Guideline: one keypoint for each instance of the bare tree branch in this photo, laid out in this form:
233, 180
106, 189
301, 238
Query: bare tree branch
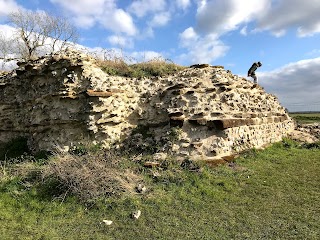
37, 33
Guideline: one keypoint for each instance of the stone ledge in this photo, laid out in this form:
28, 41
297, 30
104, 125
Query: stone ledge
203, 65
93, 93
108, 93
222, 124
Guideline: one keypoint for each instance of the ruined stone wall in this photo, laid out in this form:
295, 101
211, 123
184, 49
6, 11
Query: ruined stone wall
64, 100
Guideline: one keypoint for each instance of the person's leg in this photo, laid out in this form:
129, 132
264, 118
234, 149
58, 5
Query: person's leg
255, 79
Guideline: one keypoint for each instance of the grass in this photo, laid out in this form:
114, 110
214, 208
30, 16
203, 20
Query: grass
153, 68
306, 117
269, 194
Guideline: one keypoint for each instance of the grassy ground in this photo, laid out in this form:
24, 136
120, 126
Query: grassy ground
306, 117
269, 194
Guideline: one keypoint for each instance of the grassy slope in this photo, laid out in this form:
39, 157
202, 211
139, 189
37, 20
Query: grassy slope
270, 194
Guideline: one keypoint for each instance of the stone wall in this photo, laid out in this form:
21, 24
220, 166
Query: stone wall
63, 100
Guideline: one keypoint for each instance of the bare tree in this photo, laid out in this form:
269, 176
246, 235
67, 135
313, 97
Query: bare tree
62, 33
5, 49
38, 33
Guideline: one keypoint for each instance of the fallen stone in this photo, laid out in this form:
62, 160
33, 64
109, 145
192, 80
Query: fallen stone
141, 188
136, 214
304, 137
107, 222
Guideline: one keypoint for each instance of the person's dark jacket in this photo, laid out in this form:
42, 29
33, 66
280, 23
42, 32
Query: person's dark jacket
252, 69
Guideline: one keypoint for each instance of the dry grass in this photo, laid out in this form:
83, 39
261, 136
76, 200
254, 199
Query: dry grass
91, 176
154, 67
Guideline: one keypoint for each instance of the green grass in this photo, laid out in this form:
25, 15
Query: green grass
306, 117
152, 68
269, 194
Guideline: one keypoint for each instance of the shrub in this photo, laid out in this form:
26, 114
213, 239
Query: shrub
289, 143
315, 145
91, 176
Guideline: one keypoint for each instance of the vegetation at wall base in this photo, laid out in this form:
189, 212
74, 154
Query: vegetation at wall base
264, 194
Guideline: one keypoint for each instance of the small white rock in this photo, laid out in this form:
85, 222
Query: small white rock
141, 188
107, 222
160, 156
136, 214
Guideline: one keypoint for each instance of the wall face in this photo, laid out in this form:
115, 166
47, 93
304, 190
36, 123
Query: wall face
42, 100
64, 100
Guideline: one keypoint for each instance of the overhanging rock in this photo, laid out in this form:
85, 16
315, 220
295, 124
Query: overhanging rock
64, 100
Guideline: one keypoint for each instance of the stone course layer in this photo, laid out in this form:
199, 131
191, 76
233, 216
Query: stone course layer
206, 112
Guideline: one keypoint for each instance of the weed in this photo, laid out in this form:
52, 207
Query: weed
83, 149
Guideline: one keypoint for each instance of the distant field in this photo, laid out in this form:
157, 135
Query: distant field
306, 117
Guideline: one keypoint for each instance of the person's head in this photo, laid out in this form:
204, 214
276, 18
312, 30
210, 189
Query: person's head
259, 64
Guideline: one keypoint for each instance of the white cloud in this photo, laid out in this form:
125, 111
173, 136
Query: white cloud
188, 37
309, 31
314, 52
220, 17
7, 66
160, 19
297, 84
277, 16
105, 12
183, 4
214, 19
243, 31
119, 21
201, 49
86, 8
85, 21
121, 41
7, 30
145, 56
142, 7
279, 33
284, 14
7, 7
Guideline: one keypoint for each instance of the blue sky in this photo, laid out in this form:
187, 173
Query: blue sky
283, 34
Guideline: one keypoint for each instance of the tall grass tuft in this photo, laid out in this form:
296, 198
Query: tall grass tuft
153, 68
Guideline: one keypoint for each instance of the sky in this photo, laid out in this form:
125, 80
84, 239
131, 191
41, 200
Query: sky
282, 34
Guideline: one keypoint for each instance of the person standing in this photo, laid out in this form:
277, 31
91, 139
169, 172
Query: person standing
252, 70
